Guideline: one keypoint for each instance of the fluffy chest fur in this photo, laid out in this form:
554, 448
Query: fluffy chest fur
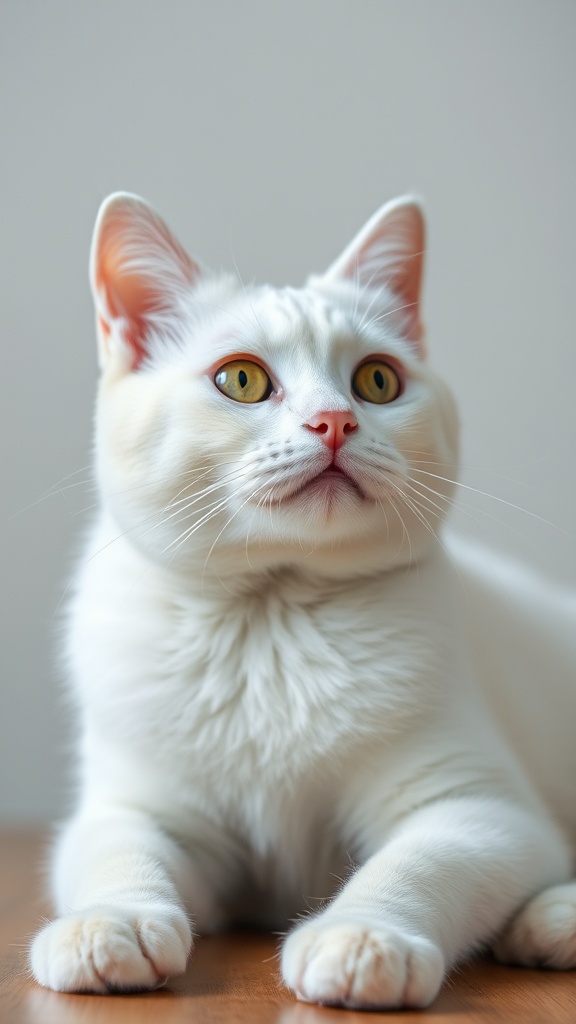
264, 684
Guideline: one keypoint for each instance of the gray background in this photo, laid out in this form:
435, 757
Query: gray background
266, 133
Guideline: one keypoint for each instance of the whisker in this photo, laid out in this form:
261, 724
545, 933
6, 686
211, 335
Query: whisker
213, 508
486, 494
186, 503
194, 475
454, 564
418, 511
357, 292
457, 504
366, 286
125, 533
91, 484
53, 491
422, 458
389, 312
227, 524
441, 512
259, 504
378, 293
385, 519
404, 529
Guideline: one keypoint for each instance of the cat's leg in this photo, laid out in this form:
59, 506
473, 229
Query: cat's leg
125, 891
543, 934
443, 884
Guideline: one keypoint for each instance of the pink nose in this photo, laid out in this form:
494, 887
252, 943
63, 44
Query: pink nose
333, 427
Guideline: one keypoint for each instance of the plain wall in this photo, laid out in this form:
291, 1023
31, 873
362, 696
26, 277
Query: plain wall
266, 133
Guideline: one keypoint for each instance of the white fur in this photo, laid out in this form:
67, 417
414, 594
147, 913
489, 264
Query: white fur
275, 691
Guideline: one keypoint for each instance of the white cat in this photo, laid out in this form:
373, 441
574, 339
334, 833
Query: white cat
282, 673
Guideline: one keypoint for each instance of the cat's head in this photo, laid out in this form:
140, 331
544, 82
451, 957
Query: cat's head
259, 427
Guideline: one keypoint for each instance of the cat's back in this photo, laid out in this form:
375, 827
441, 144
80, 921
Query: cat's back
512, 605
521, 633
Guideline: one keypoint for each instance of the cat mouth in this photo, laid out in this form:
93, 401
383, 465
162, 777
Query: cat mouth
334, 473
328, 483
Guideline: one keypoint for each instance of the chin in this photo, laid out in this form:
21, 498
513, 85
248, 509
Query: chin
333, 535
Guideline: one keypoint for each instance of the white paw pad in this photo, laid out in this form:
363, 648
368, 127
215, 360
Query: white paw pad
360, 965
112, 949
543, 934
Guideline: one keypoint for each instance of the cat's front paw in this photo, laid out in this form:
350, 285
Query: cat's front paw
543, 934
112, 949
363, 965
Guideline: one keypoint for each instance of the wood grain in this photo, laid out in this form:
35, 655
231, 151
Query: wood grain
234, 979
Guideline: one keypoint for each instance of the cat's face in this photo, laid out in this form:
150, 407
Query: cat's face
263, 427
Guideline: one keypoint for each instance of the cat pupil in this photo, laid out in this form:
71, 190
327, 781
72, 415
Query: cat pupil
379, 379
242, 378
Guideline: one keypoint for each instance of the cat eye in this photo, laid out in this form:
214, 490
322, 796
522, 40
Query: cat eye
243, 381
376, 382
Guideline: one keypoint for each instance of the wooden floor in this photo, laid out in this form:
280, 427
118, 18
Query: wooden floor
234, 978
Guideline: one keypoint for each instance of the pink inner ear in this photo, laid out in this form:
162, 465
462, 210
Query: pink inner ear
128, 296
406, 282
138, 270
401, 232
389, 252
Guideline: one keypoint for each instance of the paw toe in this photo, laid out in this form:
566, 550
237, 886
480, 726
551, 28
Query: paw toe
109, 949
543, 934
361, 966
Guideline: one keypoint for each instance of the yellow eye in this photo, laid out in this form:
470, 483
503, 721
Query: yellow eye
376, 382
243, 381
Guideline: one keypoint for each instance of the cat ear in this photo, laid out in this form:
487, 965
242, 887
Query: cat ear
139, 275
389, 253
